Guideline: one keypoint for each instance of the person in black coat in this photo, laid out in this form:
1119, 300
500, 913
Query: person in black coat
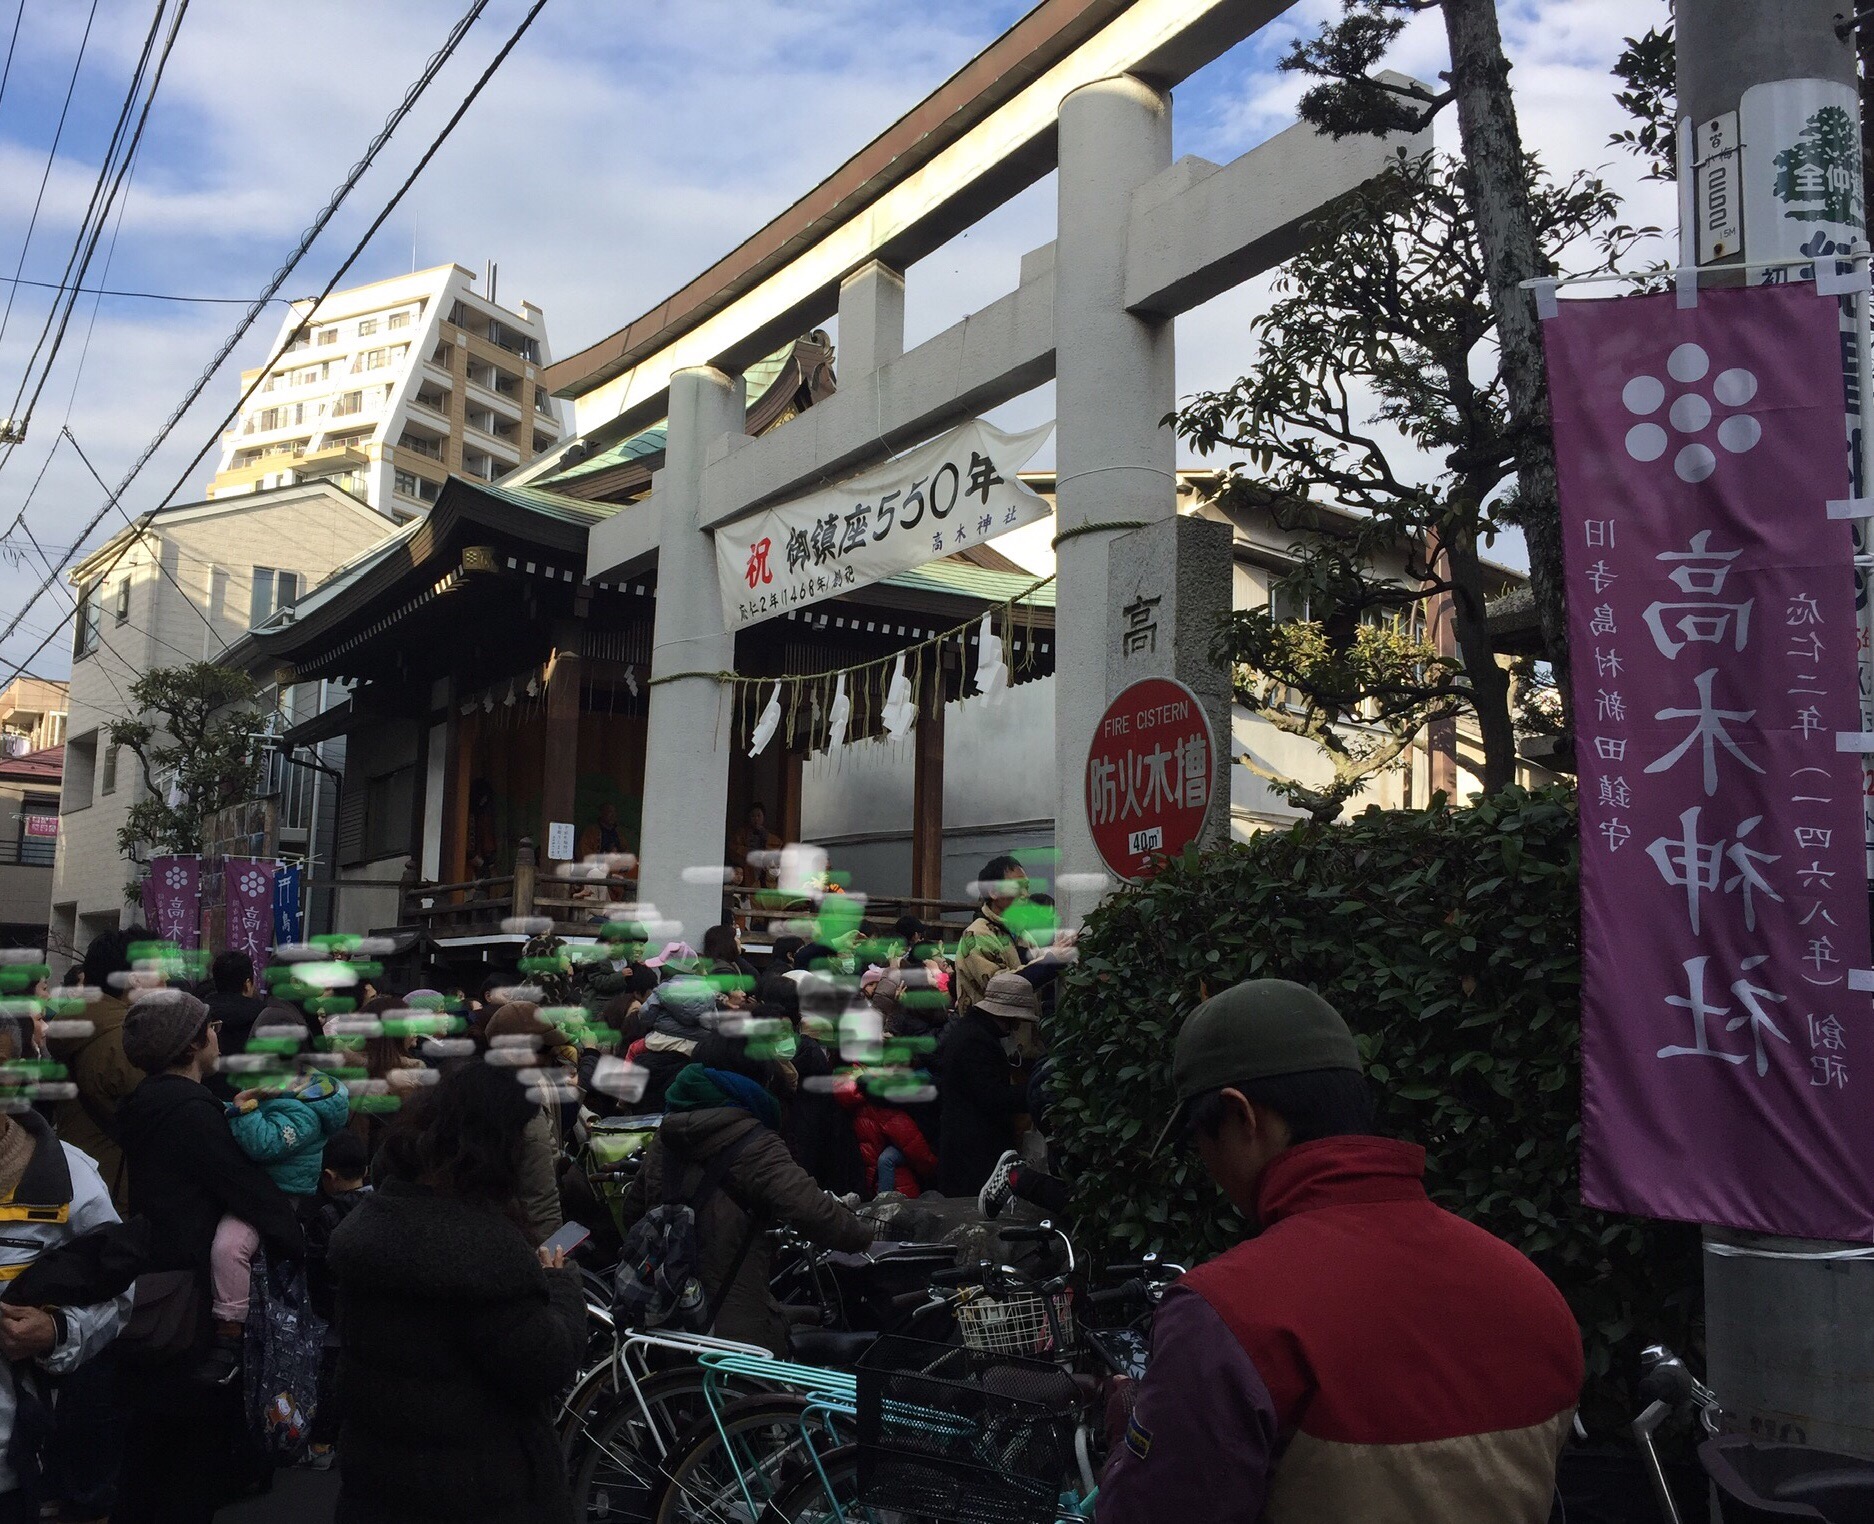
457, 1334
187, 1451
978, 1094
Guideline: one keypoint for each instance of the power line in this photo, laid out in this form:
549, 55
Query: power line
285, 270
52, 154
95, 217
12, 42
147, 296
140, 531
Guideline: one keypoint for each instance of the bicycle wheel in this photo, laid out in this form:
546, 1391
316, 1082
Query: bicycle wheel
729, 1472
834, 1498
621, 1461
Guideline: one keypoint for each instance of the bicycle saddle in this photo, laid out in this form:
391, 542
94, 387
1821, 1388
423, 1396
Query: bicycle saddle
829, 1346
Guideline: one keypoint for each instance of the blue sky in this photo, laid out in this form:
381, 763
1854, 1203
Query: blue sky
621, 149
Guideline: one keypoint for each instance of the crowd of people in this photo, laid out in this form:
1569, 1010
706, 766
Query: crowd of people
416, 1167
412, 1154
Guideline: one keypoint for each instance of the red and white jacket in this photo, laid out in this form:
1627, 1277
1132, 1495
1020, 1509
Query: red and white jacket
1367, 1357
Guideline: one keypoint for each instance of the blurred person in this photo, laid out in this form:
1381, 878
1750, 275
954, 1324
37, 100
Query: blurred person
988, 947
457, 1334
723, 1107
342, 1187
753, 835
186, 1451
817, 1129
979, 1095
100, 1071
519, 1026
233, 1002
602, 838
898, 1157
50, 1327
1367, 1355
680, 1013
284, 1130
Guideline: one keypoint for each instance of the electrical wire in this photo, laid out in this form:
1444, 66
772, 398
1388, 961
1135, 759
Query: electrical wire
147, 296
280, 276
96, 215
140, 530
16, 423
52, 154
12, 42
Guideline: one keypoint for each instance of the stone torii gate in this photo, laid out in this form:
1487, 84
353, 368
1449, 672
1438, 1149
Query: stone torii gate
1139, 240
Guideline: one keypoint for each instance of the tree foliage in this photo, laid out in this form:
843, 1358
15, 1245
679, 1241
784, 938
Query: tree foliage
193, 741
1449, 939
1354, 96
1648, 68
1383, 328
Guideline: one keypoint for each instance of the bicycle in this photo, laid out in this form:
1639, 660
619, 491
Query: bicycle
998, 1425
1749, 1480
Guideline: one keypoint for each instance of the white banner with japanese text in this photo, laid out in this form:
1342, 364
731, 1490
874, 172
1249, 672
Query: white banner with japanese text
956, 491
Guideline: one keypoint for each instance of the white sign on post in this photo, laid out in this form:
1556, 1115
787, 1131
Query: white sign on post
560, 841
956, 491
1719, 182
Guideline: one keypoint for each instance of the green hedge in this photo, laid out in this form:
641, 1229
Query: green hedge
1449, 941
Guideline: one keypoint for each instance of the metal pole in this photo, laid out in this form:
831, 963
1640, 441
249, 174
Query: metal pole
1790, 1334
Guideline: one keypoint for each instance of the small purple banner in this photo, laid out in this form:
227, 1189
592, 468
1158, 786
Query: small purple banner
248, 883
173, 900
1723, 879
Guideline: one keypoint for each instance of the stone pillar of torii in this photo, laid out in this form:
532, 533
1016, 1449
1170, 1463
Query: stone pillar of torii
1140, 239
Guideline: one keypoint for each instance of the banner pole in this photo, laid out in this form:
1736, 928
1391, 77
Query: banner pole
1864, 584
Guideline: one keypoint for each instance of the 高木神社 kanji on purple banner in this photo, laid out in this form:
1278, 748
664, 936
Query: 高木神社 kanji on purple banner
1713, 639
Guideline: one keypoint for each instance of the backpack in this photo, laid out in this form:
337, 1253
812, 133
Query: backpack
660, 1271
285, 1340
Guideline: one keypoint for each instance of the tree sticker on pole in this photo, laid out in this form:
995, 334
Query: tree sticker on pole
1818, 177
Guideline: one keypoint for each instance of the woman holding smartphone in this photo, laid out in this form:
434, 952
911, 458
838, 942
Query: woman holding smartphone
457, 1334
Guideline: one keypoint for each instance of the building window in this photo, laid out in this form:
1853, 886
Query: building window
366, 327
405, 482
39, 831
89, 619
389, 802
123, 600
273, 591
327, 336
81, 767
398, 320
348, 404
107, 778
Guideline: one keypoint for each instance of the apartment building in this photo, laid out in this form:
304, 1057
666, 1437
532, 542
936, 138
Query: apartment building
392, 387
32, 715
177, 586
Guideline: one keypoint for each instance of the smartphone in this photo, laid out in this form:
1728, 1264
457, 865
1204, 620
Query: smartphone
569, 1237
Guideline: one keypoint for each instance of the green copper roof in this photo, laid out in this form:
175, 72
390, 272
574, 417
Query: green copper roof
760, 376
959, 577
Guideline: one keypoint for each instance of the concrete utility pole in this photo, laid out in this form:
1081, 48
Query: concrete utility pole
1769, 151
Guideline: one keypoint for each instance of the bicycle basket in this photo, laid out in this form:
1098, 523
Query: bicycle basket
945, 1435
1015, 1325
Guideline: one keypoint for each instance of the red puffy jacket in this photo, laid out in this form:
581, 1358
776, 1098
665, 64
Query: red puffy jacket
879, 1127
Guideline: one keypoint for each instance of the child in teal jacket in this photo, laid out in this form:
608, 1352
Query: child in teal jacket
285, 1133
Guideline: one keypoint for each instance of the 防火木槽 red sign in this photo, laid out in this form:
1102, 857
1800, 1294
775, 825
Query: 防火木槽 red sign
1149, 773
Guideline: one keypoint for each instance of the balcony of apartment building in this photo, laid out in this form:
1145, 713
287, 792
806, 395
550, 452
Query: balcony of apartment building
434, 396
482, 465
341, 460
254, 464
500, 434
501, 335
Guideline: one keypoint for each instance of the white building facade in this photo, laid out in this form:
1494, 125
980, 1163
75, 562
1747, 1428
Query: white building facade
391, 387
178, 586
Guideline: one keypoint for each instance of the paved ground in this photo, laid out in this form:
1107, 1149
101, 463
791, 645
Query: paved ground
298, 1497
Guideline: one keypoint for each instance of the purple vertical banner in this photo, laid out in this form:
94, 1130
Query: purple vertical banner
1713, 640
174, 900
248, 897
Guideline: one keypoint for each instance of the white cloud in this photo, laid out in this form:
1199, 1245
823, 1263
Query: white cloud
619, 151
